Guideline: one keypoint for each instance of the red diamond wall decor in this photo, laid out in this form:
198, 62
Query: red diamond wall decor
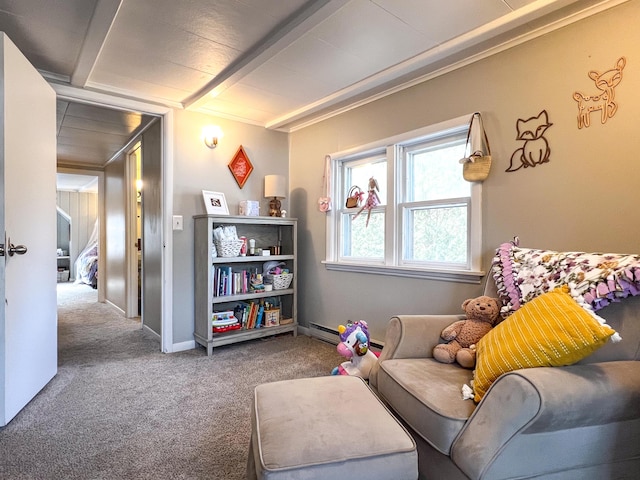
240, 167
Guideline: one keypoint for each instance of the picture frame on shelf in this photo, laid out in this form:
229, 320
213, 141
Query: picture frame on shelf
215, 203
241, 167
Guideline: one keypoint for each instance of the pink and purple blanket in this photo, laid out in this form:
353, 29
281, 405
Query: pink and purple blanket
594, 279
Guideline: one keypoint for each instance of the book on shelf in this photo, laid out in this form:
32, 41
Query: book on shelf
250, 314
227, 281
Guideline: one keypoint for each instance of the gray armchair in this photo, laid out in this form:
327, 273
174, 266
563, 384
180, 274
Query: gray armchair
576, 422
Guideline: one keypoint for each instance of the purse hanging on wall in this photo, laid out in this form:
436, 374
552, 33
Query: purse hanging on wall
476, 166
324, 202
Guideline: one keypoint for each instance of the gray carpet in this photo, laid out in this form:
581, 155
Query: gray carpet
120, 409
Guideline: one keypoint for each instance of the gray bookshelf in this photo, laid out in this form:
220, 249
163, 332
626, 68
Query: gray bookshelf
267, 232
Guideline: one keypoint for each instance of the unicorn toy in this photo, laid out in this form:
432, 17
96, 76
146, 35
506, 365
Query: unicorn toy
354, 346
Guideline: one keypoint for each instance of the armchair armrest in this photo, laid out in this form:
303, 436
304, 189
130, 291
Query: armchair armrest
411, 336
543, 402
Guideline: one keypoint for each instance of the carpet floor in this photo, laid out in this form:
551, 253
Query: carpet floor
120, 409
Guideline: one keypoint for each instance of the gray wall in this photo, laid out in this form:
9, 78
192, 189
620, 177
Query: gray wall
152, 227
584, 199
198, 168
115, 264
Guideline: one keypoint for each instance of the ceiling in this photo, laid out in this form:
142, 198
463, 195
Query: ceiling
89, 134
77, 183
281, 64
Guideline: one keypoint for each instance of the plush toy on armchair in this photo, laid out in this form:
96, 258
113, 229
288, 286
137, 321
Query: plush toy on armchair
355, 346
462, 336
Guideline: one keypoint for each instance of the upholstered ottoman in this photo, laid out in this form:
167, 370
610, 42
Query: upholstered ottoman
326, 428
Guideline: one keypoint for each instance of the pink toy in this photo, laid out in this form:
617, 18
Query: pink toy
355, 347
372, 200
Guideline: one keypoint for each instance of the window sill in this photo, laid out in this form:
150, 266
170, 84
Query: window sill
458, 276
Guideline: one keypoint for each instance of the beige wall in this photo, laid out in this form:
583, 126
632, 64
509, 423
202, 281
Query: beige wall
198, 168
585, 198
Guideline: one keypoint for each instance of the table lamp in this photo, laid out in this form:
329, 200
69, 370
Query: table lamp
275, 188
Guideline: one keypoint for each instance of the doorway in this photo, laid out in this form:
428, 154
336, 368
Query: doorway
77, 201
161, 159
121, 281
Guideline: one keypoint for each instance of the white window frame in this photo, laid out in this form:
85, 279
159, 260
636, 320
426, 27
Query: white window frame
393, 264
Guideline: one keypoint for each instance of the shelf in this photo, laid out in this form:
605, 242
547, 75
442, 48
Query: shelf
245, 219
251, 258
267, 232
235, 336
250, 296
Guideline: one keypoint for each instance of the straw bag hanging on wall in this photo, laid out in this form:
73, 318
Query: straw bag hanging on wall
476, 166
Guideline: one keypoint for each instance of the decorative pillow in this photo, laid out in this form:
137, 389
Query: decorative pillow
549, 331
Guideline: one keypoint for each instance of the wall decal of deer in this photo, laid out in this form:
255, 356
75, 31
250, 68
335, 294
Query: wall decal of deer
604, 100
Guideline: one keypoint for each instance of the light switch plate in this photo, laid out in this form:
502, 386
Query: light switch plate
177, 222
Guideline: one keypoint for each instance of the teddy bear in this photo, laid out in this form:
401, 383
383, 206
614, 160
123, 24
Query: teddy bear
462, 336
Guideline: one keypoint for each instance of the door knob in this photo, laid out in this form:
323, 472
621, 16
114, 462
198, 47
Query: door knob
16, 249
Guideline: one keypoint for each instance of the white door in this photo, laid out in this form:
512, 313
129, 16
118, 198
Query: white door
28, 320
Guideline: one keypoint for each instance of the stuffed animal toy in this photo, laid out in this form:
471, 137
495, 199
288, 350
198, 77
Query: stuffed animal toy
462, 336
355, 346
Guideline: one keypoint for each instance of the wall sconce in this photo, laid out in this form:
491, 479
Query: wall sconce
275, 188
139, 189
211, 135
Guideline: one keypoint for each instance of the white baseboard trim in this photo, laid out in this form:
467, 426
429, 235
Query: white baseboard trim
150, 332
183, 346
113, 305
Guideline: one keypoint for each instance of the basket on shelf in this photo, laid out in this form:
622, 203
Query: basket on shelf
282, 281
228, 248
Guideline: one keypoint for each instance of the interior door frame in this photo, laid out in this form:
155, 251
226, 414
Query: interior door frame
70, 93
131, 235
101, 221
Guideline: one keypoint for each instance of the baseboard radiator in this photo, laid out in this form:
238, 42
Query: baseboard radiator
332, 335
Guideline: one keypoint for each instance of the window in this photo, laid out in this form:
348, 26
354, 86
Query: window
428, 219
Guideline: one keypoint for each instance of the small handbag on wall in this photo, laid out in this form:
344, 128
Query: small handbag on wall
354, 199
476, 166
324, 202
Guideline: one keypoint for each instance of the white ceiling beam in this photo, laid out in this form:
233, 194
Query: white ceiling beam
75, 94
101, 21
311, 15
312, 112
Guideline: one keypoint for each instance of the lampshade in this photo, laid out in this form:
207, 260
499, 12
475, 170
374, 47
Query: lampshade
275, 186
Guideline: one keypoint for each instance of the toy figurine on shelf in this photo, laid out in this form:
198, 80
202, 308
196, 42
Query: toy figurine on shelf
372, 200
256, 283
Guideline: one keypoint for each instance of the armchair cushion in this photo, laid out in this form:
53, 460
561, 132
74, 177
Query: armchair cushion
551, 330
426, 395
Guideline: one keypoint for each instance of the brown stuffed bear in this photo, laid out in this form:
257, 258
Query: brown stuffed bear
462, 336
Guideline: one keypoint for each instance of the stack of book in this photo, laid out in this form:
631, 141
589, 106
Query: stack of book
229, 282
250, 314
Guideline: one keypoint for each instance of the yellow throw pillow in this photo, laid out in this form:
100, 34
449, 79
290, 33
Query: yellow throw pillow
549, 331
